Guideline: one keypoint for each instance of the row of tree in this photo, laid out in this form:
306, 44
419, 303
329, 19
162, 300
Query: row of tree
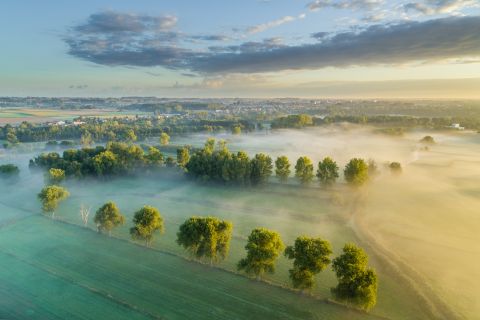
216, 163
208, 238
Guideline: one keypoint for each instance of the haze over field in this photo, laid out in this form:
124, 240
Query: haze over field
406, 220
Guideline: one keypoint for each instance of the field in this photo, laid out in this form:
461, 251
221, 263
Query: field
17, 115
58, 269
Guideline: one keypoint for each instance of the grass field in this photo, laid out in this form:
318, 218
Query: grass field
54, 269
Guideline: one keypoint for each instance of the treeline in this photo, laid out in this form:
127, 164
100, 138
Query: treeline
9, 170
216, 163
117, 158
116, 129
208, 239
302, 120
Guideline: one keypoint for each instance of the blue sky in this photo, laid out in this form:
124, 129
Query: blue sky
310, 48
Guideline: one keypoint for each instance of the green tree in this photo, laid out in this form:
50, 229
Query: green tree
310, 256
12, 137
105, 163
108, 217
356, 172
170, 162
50, 196
206, 237
357, 284
154, 158
282, 168
164, 139
146, 222
236, 130
183, 156
327, 172
130, 136
427, 140
55, 176
263, 248
260, 169
304, 170
8, 170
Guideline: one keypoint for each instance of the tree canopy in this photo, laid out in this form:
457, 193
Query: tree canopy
357, 284
356, 172
51, 196
263, 248
282, 168
55, 176
327, 172
146, 222
304, 170
310, 256
108, 217
206, 237
164, 139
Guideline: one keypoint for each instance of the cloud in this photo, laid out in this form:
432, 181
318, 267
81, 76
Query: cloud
432, 7
345, 4
379, 44
114, 22
275, 23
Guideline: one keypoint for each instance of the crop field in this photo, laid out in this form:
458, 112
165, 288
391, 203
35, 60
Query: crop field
59, 268
17, 115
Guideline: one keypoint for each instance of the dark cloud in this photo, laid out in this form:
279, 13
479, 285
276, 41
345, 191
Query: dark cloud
433, 40
320, 35
211, 37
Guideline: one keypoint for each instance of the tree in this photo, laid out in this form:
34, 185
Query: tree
50, 196
8, 170
427, 140
357, 284
146, 222
395, 167
282, 168
206, 237
12, 137
170, 162
327, 172
164, 139
55, 176
236, 130
108, 217
310, 256
356, 172
304, 170
84, 214
263, 248
260, 169
154, 158
183, 156
86, 139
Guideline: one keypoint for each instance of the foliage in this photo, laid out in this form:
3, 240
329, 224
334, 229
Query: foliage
164, 139
356, 172
86, 139
327, 172
146, 222
206, 237
282, 168
263, 248
55, 176
260, 169
115, 159
372, 168
9, 170
183, 156
304, 170
108, 217
50, 196
310, 256
292, 121
357, 284
236, 130
427, 140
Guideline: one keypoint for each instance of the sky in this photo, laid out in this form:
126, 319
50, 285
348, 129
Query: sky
249, 48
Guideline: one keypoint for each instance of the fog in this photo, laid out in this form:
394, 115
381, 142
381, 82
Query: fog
420, 228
